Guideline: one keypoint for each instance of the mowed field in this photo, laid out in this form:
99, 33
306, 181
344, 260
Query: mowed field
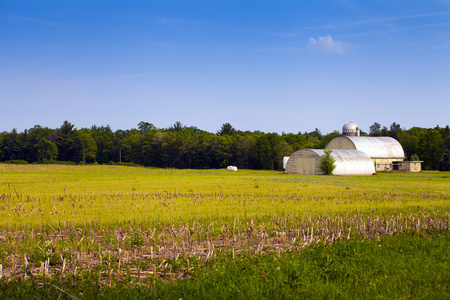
157, 229
36, 194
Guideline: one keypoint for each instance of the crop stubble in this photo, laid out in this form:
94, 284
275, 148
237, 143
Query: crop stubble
158, 234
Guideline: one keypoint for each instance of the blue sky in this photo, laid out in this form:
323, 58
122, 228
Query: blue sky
272, 66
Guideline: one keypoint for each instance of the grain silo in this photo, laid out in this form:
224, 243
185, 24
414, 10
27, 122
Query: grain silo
348, 162
382, 150
350, 129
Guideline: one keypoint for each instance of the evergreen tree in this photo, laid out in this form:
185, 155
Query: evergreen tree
226, 129
178, 126
328, 161
66, 140
444, 162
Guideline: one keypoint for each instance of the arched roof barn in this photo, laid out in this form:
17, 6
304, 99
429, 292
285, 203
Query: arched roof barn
348, 162
382, 147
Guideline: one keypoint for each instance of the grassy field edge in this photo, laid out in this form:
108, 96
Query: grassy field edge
407, 265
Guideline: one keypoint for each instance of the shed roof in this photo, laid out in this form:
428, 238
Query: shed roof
375, 147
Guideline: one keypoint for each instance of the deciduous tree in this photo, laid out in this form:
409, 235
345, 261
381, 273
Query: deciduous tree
88, 147
394, 130
375, 129
145, 127
47, 150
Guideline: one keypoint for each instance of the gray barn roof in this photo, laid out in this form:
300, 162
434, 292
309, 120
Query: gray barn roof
375, 147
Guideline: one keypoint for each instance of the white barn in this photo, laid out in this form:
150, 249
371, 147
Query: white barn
348, 162
382, 150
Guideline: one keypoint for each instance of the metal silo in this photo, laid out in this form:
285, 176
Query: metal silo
350, 129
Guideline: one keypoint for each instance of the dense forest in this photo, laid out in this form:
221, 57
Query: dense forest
180, 146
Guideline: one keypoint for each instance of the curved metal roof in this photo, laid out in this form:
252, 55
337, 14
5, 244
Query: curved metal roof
376, 147
350, 162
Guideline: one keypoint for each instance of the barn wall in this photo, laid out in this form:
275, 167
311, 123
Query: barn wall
415, 166
304, 162
384, 164
410, 166
340, 142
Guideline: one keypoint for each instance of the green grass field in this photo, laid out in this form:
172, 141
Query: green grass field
87, 231
51, 194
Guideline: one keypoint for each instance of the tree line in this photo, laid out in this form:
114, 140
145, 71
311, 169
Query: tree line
181, 146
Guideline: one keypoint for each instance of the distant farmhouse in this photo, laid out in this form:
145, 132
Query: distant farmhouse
354, 155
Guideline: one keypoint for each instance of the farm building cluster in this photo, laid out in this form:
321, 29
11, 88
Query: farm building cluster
353, 155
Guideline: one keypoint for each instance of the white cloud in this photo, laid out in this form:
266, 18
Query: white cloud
328, 45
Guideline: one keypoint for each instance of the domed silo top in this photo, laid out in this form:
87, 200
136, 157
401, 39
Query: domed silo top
350, 129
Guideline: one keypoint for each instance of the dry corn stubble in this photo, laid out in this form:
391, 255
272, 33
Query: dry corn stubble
158, 223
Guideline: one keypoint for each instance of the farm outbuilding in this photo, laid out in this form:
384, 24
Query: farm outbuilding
354, 155
348, 162
408, 166
382, 150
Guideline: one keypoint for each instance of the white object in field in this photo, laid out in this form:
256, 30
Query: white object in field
232, 168
285, 160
